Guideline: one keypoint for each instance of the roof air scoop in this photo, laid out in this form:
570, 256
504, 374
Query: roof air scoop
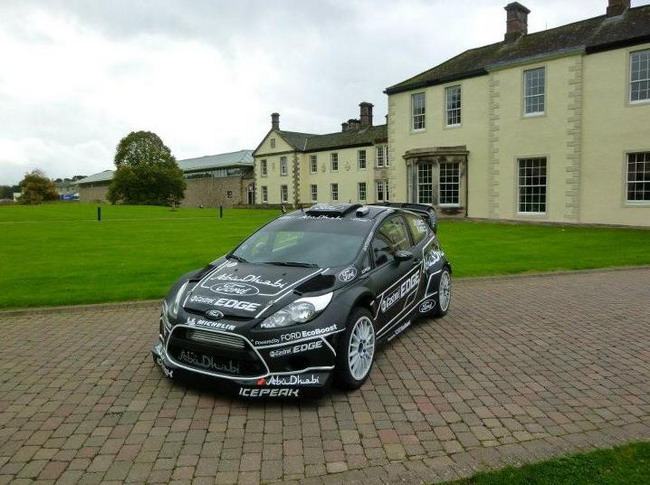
329, 210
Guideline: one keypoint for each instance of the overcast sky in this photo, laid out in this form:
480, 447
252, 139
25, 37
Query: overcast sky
78, 75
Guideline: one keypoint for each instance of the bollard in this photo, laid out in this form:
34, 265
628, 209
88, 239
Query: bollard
99, 213
220, 212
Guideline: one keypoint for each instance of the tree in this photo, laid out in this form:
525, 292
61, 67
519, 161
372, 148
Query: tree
37, 188
147, 172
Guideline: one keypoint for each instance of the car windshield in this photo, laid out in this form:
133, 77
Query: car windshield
300, 240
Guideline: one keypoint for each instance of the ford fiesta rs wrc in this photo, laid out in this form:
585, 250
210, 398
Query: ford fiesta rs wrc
306, 300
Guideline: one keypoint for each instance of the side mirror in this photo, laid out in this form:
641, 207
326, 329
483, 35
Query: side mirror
402, 255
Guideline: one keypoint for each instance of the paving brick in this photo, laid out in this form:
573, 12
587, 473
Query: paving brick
507, 376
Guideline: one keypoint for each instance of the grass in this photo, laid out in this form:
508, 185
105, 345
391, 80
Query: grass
628, 464
58, 254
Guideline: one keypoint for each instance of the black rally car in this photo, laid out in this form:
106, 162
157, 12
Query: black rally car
306, 298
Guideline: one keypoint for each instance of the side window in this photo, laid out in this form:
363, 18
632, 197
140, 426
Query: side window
419, 228
392, 236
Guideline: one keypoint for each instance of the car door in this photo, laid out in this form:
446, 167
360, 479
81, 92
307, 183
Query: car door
395, 282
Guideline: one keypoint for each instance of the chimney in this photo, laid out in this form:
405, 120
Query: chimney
353, 125
617, 7
516, 21
365, 114
344, 127
275, 121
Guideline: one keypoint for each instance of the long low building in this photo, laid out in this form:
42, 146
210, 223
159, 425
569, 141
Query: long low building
213, 180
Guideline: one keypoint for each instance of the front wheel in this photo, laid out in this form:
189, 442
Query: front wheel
356, 350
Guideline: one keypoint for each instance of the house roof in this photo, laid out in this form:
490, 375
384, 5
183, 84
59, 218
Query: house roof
592, 35
241, 158
105, 176
307, 142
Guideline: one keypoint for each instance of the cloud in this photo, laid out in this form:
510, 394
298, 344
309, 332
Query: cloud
78, 76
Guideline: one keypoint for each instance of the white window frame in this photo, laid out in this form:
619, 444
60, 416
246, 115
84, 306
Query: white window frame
381, 153
449, 188
362, 189
453, 112
641, 161
424, 183
532, 186
642, 75
284, 194
334, 159
418, 111
265, 194
264, 168
385, 189
536, 94
334, 192
284, 166
313, 192
313, 164
362, 156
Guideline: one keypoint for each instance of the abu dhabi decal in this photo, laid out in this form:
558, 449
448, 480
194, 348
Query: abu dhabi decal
348, 274
254, 279
268, 392
167, 372
297, 349
292, 380
198, 322
400, 292
399, 330
236, 289
426, 306
288, 337
208, 363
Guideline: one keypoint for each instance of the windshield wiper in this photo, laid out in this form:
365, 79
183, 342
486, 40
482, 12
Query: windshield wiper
297, 264
236, 258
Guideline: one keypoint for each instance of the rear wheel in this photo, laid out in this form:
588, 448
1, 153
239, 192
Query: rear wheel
443, 298
356, 350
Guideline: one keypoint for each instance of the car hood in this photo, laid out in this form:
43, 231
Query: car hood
244, 290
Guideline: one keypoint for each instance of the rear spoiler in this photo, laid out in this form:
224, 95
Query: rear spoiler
427, 212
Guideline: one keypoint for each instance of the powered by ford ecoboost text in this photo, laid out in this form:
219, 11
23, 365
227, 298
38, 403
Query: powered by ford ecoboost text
306, 300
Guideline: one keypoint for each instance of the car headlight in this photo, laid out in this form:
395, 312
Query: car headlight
164, 315
172, 311
300, 311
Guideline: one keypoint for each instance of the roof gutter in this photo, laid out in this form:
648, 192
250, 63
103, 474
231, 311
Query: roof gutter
435, 82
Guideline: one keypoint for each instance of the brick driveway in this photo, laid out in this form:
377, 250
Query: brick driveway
521, 369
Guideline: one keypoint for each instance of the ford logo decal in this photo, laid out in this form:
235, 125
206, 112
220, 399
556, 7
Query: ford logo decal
237, 289
214, 314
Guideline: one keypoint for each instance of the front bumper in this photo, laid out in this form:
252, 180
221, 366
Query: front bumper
251, 369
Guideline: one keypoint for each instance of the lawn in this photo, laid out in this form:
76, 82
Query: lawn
624, 465
59, 254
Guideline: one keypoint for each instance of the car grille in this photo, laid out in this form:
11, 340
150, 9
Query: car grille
216, 338
215, 353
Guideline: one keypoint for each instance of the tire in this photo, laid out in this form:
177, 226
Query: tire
356, 350
443, 298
